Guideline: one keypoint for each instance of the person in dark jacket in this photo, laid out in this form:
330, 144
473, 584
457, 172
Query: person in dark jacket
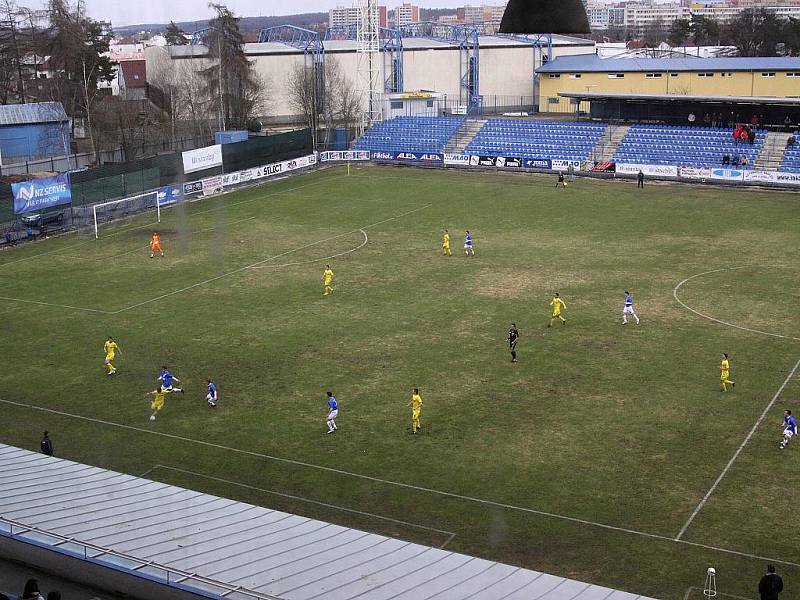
770, 585
46, 444
31, 591
640, 179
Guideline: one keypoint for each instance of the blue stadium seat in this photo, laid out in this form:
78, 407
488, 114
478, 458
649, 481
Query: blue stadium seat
422, 135
684, 146
791, 160
555, 140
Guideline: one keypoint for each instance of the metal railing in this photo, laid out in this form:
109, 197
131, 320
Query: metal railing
126, 563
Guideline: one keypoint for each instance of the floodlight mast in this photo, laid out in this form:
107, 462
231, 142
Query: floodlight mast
369, 60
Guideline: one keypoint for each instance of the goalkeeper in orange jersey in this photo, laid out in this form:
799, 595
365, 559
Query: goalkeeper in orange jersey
155, 245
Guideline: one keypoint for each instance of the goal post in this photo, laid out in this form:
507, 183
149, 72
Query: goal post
105, 212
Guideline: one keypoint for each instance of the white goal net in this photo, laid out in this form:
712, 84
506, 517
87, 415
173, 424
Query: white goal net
107, 212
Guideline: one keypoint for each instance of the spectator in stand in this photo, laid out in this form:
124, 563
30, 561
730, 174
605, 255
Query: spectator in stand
744, 161
787, 123
737, 118
731, 121
735, 162
707, 120
751, 136
744, 136
692, 118
737, 134
770, 585
46, 444
790, 143
726, 159
31, 591
754, 121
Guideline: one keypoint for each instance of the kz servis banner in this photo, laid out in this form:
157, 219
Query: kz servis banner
41, 194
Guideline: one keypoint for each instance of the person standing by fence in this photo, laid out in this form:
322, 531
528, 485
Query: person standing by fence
46, 444
770, 585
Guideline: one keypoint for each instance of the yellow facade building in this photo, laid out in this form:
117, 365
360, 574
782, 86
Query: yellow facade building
735, 77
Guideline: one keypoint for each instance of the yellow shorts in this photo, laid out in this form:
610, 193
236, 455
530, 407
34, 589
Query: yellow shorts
556, 314
157, 404
415, 414
110, 357
725, 375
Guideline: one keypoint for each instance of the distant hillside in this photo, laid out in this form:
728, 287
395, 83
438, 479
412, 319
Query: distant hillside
248, 24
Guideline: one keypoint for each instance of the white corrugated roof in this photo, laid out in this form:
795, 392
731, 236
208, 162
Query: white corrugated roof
271, 552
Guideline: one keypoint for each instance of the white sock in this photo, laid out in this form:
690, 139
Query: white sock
334, 424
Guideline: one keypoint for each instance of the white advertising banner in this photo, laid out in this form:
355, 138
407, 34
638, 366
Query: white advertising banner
789, 178
651, 170
695, 172
212, 185
461, 160
761, 176
202, 158
337, 155
727, 174
563, 165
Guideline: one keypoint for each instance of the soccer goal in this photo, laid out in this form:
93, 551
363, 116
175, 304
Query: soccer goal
105, 212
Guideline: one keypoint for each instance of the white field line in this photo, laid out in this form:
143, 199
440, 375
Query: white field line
266, 260
720, 321
221, 276
398, 484
737, 453
147, 246
448, 534
314, 260
54, 305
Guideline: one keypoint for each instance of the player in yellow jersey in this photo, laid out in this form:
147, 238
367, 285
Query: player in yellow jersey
725, 373
111, 348
416, 410
327, 277
446, 244
159, 399
557, 304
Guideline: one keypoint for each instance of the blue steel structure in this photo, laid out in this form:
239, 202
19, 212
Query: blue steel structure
466, 38
199, 37
310, 42
391, 43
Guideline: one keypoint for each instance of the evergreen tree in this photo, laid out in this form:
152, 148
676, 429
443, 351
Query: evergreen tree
231, 83
175, 35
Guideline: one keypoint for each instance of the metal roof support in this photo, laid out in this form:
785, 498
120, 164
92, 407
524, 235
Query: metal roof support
466, 38
310, 42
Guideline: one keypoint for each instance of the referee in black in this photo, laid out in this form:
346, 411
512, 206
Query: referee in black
513, 338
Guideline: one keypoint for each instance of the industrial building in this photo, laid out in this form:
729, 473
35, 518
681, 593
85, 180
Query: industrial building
455, 61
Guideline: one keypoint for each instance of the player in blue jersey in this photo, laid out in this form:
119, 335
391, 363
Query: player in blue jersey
789, 428
628, 309
333, 412
468, 249
166, 378
212, 395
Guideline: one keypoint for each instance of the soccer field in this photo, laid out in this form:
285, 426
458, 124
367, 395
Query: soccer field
608, 453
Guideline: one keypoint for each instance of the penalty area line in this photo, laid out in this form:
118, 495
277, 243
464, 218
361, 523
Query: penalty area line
449, 534
399, 484
313, 260
736, 454
266, 260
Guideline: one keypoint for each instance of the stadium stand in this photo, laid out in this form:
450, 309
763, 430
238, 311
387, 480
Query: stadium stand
791, 160
559, 140
217, 547
425, 135
684, 146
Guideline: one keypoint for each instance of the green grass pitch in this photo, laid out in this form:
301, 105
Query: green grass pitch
585, 459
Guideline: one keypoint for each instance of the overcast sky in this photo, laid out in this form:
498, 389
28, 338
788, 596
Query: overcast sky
130, 12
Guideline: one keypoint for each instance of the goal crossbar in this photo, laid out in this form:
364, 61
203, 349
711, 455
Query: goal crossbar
101, 206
